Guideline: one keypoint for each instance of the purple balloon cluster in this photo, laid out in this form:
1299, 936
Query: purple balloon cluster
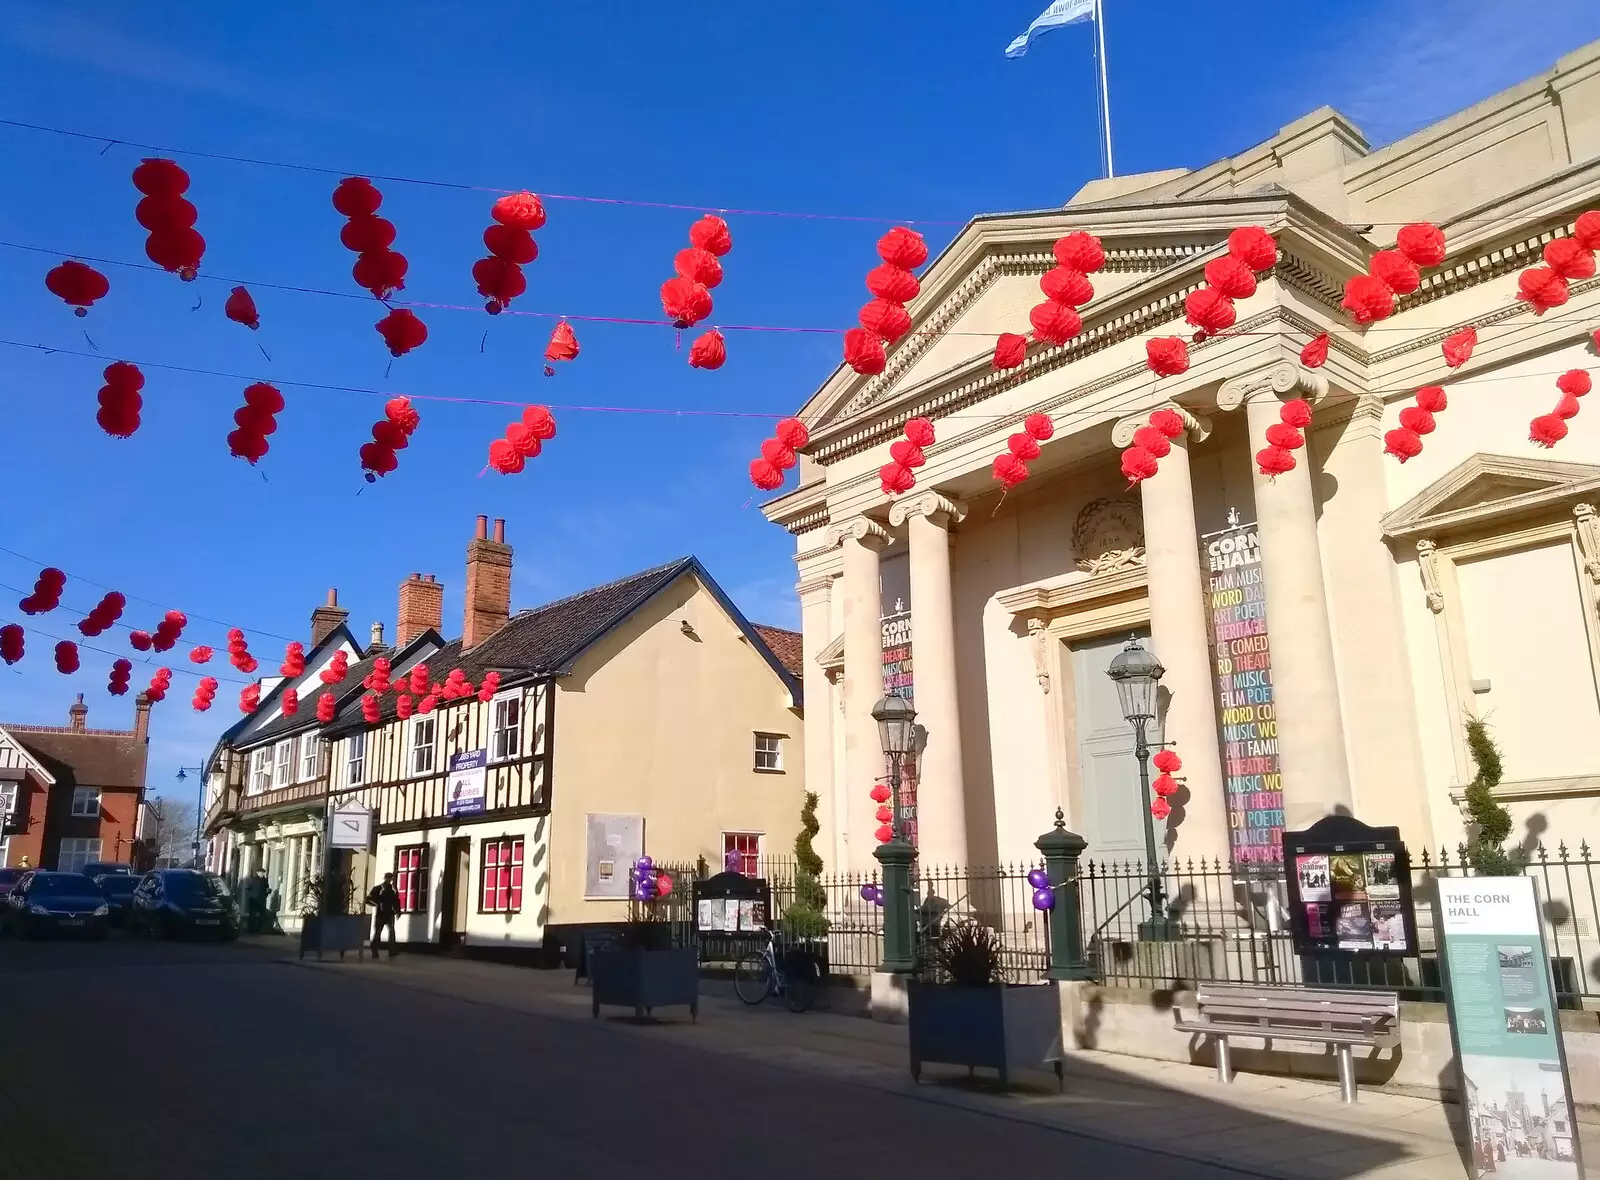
872, 893
1044, 894
644, 879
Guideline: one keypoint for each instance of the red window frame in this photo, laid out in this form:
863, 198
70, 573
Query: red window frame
411, 878
500, 878
747, 845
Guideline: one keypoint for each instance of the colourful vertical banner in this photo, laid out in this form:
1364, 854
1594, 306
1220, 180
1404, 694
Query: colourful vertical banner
1236, 605
895, 617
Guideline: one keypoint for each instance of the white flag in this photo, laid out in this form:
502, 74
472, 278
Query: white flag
1059, 14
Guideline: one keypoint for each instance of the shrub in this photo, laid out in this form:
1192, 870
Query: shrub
968, 954
1491, 823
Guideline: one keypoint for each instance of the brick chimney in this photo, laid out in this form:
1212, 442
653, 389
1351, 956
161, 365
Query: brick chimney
78, 716
141, 717
375, 640
488, 584
326, 618
421, 608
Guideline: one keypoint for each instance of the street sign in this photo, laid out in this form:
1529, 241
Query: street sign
350, 827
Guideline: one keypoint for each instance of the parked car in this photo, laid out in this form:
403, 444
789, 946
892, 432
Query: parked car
96, 869
56, 903
118, 889
170, 903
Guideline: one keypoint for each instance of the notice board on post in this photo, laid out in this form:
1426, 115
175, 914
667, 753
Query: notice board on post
1349, 889
1503, 1018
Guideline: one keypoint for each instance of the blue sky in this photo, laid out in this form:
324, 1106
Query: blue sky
834, 106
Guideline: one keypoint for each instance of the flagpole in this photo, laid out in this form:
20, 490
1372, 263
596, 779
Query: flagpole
1105, 93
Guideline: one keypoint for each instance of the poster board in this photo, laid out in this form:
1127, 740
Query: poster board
350, 826
612, 844
465, 789
1515, 1088
1349, 888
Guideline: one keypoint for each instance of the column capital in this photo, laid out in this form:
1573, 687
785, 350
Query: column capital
1275, 382
859, 528
1197, 427
927, 503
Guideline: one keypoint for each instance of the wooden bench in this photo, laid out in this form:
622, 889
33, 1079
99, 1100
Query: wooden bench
1342, 1019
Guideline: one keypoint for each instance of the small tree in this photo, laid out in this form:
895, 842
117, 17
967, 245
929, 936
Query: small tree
806, 916
1491, 822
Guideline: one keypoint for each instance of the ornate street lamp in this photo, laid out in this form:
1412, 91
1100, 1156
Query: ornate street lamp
897, 734
1136, 672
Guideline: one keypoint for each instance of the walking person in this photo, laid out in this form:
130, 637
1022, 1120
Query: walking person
385, 903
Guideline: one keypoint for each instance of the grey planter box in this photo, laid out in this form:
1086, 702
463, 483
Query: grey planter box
998, 1027
646, 980
321, 933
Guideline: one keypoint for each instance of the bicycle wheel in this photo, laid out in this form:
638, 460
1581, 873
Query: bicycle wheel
752, 978
799, 990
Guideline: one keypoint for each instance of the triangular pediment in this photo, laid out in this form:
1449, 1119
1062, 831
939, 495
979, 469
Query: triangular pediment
19, 753
831, 657
1488, 487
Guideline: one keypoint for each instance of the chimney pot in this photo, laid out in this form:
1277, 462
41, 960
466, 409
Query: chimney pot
77, 715
483, 528
376, 636
333, 597
499, 531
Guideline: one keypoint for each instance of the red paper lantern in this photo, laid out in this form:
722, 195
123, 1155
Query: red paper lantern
377, 459
1295, 412
66, 657
1039, 426
403, 706
1150, 439
1023, 445
711, 234
241, 309
368, 234
903, 248
200, 654
294, 658
1284, 437
1138, 464
906, 453
765, 475
1164, 786
121, 673
685, 301
1209, 310
400, 411
892, 283
490, 686
104, 613
77, 285
1417, 420
884, 834
140, 640
371, 708
382, 272
698, 266
325, 707
896, 479
792, 433
541, 421
1403, 444
402, 331
563, 344
1569, 259
1396, 271
1081, 251
1054, 322
1160, 808
780, 456
1541, 288
1575, 381
1421, 242
1010, 470
1274, 461
519, 211
880, 794
709, 350
1231, 277
1432, 398
1254, 247
1167, 761
1168, 422
289, 703
499, 281
1367, 299
157, 177
888, 321
1166, 356
1010, 350
1457, 347
520, 435
1315, 354
863, 351
1567, 407
511, 244
1068, 286
1547, 430
119, 398
263, 397
1586, 230
919, 431
356, 197
12, 644
157, 214
177, 250
505, 458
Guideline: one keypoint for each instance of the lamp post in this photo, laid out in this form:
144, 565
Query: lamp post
897, 732
1136, 672
199, 811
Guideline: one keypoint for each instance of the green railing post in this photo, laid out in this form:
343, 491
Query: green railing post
1061, 850
899, 956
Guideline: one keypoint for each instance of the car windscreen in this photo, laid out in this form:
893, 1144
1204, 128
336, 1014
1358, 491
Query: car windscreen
62, 885
195, 887
118, 885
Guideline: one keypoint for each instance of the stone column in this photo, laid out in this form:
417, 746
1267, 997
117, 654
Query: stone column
862, 541
816, 632
1311, 749
941, 789
1181, 641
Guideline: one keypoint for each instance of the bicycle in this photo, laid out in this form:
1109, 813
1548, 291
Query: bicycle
759, 974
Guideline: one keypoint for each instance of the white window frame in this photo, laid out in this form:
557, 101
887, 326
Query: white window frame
420, 725
775, 753
8, 804
761, 845
499, 749
310, 751
260, 770
283, 756
86, 802
5, 852
83, 850
355, 759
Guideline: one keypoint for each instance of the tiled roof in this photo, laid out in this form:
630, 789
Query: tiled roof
108, 758
786, 645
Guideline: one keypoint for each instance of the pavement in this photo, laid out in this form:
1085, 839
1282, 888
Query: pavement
139, 1060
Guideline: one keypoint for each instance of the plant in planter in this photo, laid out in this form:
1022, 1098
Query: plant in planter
645, 971
969, 1015
1491, 823
804, 924
325, 923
